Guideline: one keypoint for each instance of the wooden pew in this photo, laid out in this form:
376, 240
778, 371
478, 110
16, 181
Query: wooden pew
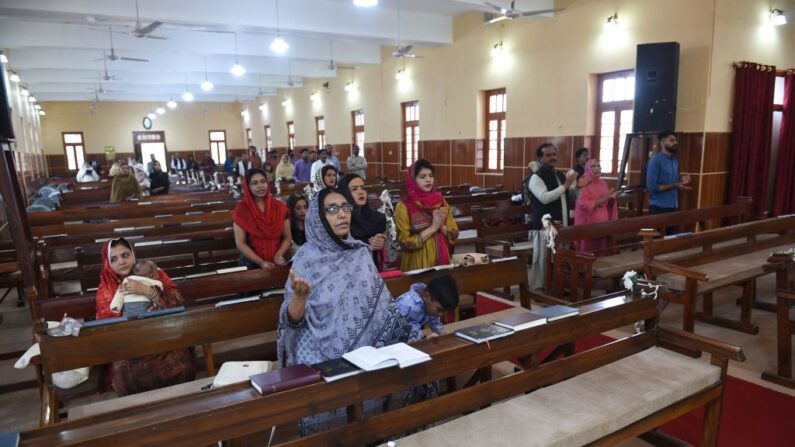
126, 225
128, 210
571, 271
201, 292
785, 329
731, 256
237, 410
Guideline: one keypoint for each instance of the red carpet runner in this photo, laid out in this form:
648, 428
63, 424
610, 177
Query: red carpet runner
752, 415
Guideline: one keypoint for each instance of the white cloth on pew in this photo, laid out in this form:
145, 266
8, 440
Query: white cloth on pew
582, 409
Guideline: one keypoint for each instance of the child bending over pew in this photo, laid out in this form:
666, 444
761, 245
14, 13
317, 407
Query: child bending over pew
134, 304
425, 303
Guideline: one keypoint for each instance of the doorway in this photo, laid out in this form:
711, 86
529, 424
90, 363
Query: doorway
151, 143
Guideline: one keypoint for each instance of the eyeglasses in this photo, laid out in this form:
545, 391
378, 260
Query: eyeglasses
334, 209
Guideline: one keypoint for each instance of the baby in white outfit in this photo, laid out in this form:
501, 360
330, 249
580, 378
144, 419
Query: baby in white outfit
144, 271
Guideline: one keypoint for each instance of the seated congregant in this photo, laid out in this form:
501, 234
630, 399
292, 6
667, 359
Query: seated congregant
152, 371
86, 174
285, 170
125, 186
159, 182
261, 224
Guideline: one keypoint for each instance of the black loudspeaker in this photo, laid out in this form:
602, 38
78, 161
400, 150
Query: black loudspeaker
6, 128
656, 77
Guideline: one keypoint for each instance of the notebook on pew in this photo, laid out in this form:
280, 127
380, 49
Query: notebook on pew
103, 322
468, 234
162, 312
483, 332
336, 369
237, 301
556, 312
231, 270
428, 269
369, 358
283, 379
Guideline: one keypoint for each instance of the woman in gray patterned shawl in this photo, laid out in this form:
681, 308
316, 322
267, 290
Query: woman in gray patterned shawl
335, 301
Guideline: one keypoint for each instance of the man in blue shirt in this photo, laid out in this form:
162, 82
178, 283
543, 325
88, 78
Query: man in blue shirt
663, 181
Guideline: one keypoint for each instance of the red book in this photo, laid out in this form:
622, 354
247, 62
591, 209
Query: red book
283, 379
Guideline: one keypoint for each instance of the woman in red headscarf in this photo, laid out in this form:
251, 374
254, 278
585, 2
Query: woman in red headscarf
425, 227
153, 371
261, 224
596, 203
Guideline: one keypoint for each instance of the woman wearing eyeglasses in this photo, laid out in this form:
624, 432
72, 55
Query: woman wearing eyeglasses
261, 224
426, 229
153, 371
335, 300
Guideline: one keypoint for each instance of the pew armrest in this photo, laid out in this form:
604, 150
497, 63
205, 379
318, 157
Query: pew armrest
697, 342
677, 270
787, 296
579, 255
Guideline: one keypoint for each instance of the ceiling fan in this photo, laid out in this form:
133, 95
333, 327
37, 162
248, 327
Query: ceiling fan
402, 51
146, 31
101, 90
513, 13
333, 65
113, 57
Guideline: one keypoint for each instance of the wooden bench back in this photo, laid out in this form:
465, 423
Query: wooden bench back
142, 222
128, 210
746, 232
238, 410
176, 259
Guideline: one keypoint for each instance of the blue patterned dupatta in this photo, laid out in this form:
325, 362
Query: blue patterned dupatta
349, 306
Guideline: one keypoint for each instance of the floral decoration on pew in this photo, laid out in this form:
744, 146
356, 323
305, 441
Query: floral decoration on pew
550, 231
790, 253
392, 246
632, 281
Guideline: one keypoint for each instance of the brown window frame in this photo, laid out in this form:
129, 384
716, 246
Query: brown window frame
268, 138
488, 117
356, 129
291, 135
320, 134
614, 106
217, 149
78, 163
414, 125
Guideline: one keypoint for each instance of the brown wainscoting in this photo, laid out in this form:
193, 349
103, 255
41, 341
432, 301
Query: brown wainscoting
391, 153
691, 148
717, 147
515, 153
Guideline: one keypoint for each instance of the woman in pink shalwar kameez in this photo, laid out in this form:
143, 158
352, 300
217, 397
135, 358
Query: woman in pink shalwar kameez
596, 203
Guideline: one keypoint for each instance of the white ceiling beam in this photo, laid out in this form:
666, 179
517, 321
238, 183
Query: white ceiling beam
322, 18
163, 91
44, 58
137, 97
17, 35
34, 77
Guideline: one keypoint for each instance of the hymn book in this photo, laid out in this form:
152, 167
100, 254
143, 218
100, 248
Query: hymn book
369, 358
283, 379
521, 321
483, 332
557, 312
336, 369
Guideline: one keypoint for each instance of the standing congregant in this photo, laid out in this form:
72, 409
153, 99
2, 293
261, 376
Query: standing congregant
663, 181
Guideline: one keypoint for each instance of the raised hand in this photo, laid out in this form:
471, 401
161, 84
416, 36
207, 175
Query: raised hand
301, 288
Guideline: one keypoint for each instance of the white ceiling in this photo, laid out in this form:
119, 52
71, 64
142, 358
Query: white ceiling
55, 45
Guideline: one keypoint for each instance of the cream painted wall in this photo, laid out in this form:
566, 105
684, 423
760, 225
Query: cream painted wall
742, 33
112, 124
548, 70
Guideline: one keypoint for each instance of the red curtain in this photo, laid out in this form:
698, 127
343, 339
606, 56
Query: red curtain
784, 194
752, 127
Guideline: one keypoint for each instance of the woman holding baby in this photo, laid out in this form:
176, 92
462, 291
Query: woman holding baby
141, 287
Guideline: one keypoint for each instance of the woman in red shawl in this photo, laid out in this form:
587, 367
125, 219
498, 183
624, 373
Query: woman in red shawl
596, 203
153, 371
261, 224
426, 230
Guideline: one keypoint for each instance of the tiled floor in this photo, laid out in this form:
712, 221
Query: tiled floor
19, 410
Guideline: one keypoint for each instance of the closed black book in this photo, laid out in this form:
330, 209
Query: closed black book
483, 332
336, 369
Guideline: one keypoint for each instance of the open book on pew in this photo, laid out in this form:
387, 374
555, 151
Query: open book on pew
236, 372
369, 358
428, 269
283, 379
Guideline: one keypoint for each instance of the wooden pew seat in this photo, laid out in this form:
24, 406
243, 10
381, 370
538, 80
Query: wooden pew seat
726, 272
583, 409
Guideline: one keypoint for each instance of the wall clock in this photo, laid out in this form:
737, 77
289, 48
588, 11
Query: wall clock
147, 123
